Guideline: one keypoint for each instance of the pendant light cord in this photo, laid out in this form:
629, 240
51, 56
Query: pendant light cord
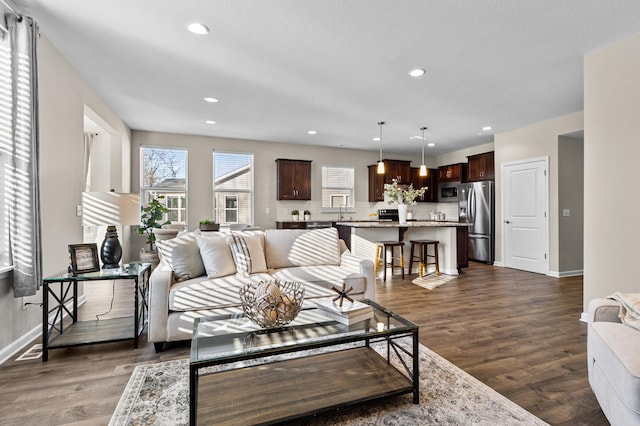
381, 123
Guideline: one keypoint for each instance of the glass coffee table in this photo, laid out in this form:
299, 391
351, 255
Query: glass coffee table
239, 373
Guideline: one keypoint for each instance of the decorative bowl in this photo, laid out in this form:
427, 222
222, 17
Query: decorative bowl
272, 303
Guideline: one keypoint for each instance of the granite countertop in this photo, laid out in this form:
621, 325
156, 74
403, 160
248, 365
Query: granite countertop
409, 224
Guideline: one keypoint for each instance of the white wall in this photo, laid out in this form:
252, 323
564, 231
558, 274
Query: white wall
63, 96
571, 198
537, 140
461, 155
611, 153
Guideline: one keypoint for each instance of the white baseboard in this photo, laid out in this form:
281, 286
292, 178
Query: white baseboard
500, 264
17, 345
557, 274
584, 317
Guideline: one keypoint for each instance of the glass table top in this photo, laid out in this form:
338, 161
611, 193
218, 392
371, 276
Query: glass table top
128, 270
228, 337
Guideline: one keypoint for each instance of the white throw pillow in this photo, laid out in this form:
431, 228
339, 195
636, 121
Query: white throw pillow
216, 256
248, 253
183, 256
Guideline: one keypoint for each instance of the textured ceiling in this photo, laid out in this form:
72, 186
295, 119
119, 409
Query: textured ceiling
283, 67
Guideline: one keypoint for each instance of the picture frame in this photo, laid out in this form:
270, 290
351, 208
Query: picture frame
84, 258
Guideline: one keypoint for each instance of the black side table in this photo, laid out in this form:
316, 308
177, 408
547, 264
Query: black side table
56, 335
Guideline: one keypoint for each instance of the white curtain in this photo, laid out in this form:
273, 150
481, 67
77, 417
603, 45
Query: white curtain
22, 186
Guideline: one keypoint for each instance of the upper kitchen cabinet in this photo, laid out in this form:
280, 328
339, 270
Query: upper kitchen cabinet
397, 169
294, 179
453, 173
481, 167
430, 181
393, 169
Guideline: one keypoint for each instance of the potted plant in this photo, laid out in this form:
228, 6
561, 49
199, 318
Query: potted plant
402, 195
209, 225
307, 215
151, 220
295, 215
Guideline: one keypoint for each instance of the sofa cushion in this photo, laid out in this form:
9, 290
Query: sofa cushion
615, 348
183, 256
299, 247
325, 276
248, 253
223, 293
216, 256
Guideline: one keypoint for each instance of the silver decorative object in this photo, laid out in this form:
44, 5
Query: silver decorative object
272, 303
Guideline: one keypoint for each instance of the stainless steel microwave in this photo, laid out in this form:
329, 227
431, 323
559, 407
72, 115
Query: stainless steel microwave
448, 192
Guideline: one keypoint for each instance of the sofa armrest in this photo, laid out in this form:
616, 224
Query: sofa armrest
361, 266
604, 310
159, 284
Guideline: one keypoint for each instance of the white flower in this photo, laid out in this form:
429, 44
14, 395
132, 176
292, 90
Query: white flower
402, 196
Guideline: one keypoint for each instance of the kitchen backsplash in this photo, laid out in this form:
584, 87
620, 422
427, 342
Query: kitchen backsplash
363, 211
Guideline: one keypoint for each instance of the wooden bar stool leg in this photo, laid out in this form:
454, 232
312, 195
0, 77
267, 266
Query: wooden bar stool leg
384, 263
402, 259
423, 260
377, 263
411, 258
435, 247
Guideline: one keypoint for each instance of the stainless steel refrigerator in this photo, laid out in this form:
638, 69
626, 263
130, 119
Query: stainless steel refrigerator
476, 206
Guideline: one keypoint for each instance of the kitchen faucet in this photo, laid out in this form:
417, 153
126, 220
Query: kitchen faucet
340, 211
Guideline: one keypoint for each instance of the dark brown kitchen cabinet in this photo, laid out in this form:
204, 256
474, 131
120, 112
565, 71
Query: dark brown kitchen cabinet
462, 245
397, 169
453, 173
481, 167
393, 169
430, 181
294, 179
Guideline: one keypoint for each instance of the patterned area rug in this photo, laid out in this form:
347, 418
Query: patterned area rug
432, 281
158, 394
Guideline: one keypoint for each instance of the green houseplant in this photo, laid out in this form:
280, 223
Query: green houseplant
307, 214
209, 225
151, 218
295, 214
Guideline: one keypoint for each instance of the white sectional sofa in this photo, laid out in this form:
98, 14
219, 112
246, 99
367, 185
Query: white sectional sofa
201, 274
613, 358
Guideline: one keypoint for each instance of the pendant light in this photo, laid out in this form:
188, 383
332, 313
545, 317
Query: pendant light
423, 168
380, 163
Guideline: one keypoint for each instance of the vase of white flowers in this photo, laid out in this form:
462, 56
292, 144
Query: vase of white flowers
403, 195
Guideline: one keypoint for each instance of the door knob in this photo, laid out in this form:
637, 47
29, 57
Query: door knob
507, 222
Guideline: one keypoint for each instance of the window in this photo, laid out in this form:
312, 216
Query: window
163, 174
231, 209
337, 187
233, 188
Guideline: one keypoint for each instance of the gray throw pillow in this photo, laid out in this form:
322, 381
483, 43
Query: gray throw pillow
183, 255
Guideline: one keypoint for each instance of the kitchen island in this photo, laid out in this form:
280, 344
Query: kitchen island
452, 236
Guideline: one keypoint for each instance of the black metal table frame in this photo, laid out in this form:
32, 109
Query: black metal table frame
70, 283
388, 335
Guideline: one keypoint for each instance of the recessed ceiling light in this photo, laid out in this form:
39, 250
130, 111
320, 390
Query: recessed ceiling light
486, 128
210, 122
377, 139
198, 28
431, 144
312, 132
211, 100
417, 72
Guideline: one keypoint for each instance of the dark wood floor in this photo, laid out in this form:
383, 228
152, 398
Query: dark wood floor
517, 332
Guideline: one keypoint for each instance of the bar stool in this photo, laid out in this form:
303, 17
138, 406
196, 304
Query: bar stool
424, 256
386, 246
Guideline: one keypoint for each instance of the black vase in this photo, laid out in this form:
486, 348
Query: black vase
111, 250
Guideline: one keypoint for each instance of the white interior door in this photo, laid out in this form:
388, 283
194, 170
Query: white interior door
525, 227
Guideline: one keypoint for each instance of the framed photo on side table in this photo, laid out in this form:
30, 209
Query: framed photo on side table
84, 258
